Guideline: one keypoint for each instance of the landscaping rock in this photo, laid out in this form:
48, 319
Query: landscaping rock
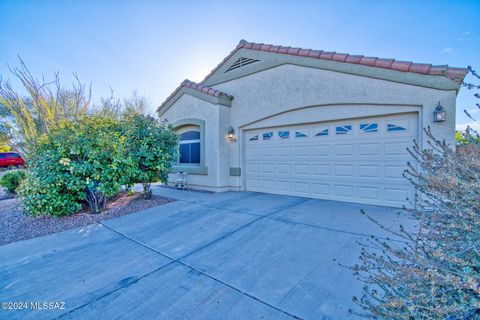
15, 225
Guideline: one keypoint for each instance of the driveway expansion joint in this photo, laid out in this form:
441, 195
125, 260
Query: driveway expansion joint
181, 262
286, 220
240, 228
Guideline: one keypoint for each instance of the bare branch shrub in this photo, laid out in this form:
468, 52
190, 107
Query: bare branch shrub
435, 273
24, 119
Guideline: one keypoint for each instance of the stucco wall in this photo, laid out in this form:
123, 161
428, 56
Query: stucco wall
188, 107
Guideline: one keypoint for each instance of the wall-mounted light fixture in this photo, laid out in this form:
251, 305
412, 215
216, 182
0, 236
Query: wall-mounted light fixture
439, 113
231, 135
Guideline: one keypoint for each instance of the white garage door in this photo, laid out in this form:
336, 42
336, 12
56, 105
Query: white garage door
360, 160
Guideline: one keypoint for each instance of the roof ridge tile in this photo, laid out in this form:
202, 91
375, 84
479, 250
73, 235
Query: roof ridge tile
456, 74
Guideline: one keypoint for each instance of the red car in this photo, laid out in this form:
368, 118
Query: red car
11, 160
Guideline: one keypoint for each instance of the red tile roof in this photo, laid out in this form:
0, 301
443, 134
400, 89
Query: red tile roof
196, 86
456, 74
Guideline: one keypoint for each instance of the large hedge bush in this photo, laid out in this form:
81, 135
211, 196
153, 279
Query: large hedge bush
74, 163
90, 160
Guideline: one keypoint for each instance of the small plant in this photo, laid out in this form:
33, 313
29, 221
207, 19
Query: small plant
11, 180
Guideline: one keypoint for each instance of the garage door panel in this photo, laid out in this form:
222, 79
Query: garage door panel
343, 190
396, 194
344, 170
284, 185
283, 151
369, 171
368, 192
321, 150
268, 184
268, 168
369, 149
253, 182
394, 172
268, 151
302, 169
396, 148
302, 187
254, 168
321, 169
283, 169
322, 189
253, 152
302, 151
361, 164
344, 149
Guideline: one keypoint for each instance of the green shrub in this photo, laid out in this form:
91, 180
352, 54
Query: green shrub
151, 146
11, 180
41, 195
74, 163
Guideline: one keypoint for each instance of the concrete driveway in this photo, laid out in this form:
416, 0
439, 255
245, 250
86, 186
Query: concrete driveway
234, 255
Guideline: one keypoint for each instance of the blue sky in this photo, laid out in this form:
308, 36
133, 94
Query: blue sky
151, 46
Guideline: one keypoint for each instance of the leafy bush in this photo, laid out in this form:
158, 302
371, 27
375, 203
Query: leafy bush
11, 180
75, 162
151, 146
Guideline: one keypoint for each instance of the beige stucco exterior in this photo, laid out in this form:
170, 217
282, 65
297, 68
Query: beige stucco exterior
293, 94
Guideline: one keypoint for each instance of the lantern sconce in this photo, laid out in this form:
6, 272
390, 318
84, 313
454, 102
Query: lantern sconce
231, 135
439, 113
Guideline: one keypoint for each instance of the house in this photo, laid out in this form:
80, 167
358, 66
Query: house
310, 123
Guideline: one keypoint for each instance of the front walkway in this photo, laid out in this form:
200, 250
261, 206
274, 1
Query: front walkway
234, 255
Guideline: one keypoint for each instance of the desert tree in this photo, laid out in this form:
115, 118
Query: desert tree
42, 104
116, 108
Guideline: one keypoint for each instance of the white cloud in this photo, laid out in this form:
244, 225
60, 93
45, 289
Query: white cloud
472, 124
447, 50
465, 34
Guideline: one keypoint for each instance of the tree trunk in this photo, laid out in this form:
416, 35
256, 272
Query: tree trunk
96, 200
147, 191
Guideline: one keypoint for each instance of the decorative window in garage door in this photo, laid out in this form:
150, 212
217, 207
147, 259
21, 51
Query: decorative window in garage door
284, 134
254, 138
322, 133
299, 134
369, 127
267, 135
395, 127
343, 129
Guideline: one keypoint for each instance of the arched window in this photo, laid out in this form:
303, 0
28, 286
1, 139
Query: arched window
190, 147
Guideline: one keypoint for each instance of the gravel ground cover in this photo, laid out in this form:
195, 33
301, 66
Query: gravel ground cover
15, 225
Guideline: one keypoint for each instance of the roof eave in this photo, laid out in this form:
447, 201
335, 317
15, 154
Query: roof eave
334, 61
220, 99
